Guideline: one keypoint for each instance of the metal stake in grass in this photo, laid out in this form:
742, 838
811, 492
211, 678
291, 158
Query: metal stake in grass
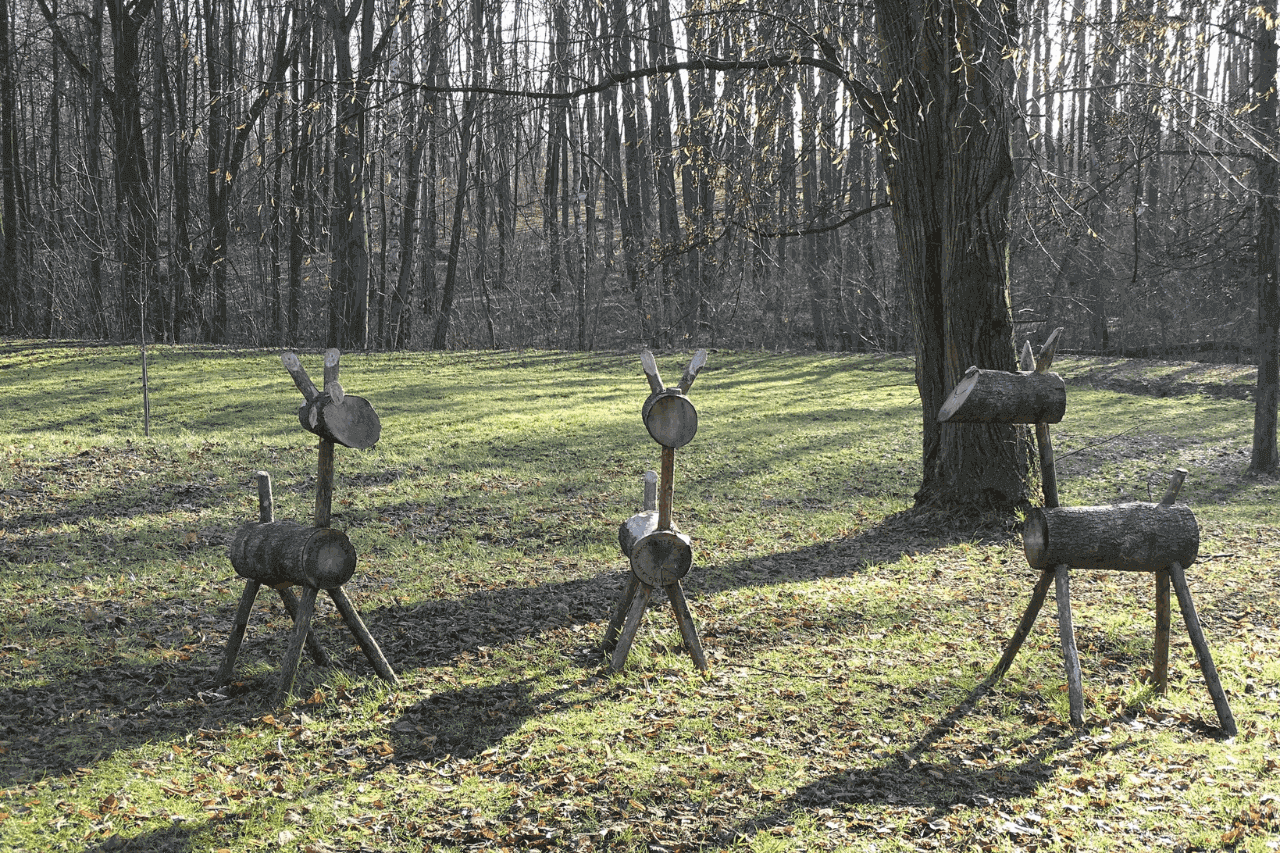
283, 554
660, 555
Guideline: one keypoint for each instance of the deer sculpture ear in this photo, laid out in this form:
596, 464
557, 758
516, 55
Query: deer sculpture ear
651, 372
691, 372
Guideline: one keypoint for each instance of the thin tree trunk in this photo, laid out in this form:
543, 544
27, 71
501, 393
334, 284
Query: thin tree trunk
1265, 456
10, 174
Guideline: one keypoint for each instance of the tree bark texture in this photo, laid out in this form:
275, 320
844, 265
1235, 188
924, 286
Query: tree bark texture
996, 396
1131, 537
351, 421
1266, 452
284, 552
942, 121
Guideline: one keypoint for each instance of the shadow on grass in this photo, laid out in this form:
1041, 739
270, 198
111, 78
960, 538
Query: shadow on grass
54, 728
905, 779
172, 839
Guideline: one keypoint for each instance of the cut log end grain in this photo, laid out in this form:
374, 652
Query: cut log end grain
662, 558
1133, 537
658, 557
998, 396
670, 418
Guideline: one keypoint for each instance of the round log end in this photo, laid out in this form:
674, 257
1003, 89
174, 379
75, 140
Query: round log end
662, 558
670, 418
957, 397
1035, 540
328, 558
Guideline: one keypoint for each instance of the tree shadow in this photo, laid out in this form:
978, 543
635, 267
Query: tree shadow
171, 839
421, 634
123, 705
908, 778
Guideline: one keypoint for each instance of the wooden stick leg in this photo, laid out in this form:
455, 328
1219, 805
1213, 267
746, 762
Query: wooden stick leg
684, 619
1160, 664
620, 613
317, 652
638, 603
1067, 636
362, 635
301, 627
237, 631
1207, 669
324, 483
1024, 628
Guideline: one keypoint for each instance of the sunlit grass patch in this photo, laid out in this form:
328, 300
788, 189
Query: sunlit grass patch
845, 637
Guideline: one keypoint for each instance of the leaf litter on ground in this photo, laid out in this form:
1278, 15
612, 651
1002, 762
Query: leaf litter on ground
846, 634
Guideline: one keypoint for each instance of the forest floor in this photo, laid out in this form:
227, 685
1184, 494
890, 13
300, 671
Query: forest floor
847, 635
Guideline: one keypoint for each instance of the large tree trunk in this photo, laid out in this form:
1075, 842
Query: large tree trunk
943, 122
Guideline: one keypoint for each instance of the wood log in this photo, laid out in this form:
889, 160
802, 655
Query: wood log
662, 557
1131, 537
293, 654
636, 528
358, 629
667, 489
635, 612
300, 378
651, 371
344, 418
290, 602
324, 484
650, 490
997, 396
688, 631
236, 637
658, 557
696, 364
614, 629
1160, 662
670, 418
284, 552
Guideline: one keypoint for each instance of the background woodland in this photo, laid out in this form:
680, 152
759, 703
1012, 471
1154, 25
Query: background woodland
499, 173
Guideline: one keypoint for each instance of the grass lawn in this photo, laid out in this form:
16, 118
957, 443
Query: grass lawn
846, 636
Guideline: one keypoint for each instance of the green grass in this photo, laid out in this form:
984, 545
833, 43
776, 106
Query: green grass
845, 635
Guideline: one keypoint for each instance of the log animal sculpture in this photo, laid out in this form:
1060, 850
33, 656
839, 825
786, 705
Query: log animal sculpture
284, 554
659, 554
1138, 537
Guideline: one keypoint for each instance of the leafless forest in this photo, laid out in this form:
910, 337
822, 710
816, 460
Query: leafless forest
504, 173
